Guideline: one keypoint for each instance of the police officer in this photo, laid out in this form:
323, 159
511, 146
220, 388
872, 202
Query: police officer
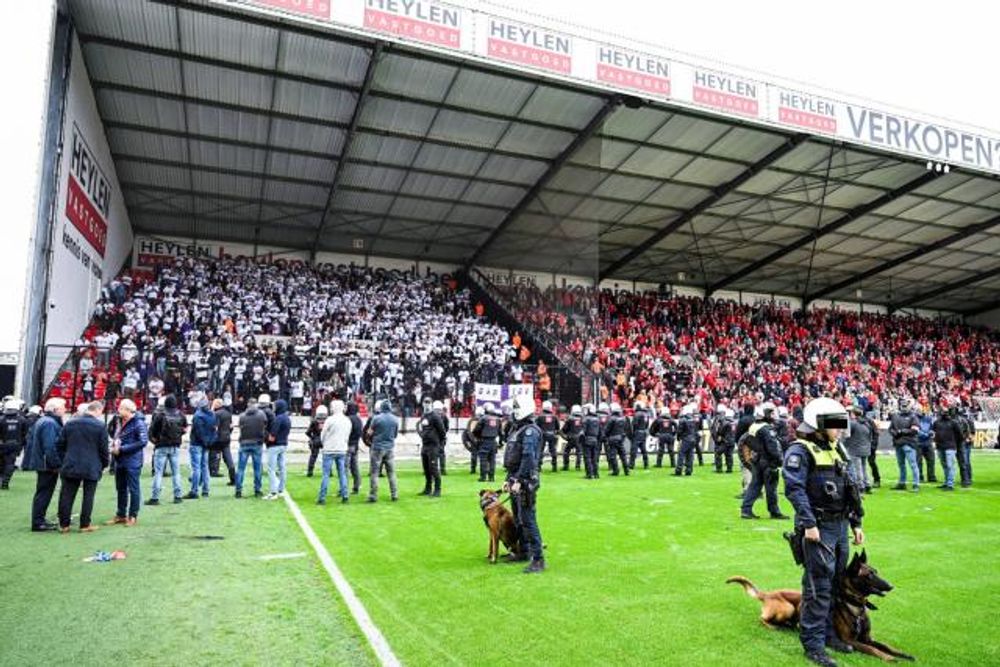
506, 421
764, 465
486, 432
688, 428
638, 432
826, 501
313, 432
549, 423
523, 481
469, 440
433, 431
723, 438
572, 431
665, 430
14, 432
614, 438
591, 441
603, 415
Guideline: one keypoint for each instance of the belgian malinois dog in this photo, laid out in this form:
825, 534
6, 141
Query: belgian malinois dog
850, 607
500, 522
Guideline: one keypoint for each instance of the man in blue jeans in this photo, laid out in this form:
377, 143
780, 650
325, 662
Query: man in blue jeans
903, 427
948, 436
277, 444
203, 427
253, 429
334, 437
166, 432
130, 441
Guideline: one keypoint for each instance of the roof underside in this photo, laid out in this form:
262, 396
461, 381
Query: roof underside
231, 128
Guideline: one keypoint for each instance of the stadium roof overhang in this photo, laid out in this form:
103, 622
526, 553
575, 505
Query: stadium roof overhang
232, 124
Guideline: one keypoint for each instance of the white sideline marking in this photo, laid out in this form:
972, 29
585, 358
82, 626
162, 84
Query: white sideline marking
375, 637
300, 554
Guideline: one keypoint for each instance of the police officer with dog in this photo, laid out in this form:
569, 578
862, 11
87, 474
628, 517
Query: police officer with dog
826, 501
523, 480
485, 432
638, 432
572, 432
764, 461
591, 441
549, 423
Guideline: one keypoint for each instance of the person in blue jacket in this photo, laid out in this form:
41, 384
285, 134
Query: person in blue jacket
42, 456
925, 447
128, 447
203, 432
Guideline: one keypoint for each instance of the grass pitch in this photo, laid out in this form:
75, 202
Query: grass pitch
636, 576
637, 569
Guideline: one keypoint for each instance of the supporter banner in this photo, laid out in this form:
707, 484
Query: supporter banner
92, 236
317, 9
628, 69
529, 45
805, 111
496, 393
427, 21
726, 92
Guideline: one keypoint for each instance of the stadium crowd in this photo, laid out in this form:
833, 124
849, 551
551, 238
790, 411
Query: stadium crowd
234, 329
673, 349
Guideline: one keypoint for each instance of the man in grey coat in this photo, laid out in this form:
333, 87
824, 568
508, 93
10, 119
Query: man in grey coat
858, 445
383, 428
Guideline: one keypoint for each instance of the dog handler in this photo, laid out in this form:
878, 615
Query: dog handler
521, 461
825, 500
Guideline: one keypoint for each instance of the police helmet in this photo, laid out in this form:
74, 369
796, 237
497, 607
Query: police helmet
488, 408
904, 403
547, 406
764, 410
689, 409
35, 410
507, 407
588, 408
523, 407
480, 411
824, 413
263, 400
616, 408
12, 405
576, 410
721, 409
321, 411
665, 411
603, 407
437, 406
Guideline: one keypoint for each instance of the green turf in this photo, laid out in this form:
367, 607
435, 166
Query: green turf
175, 600
637, 571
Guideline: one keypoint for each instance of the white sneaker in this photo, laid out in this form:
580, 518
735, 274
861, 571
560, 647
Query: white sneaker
270, 496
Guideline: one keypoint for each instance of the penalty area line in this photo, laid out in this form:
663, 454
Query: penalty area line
374, 636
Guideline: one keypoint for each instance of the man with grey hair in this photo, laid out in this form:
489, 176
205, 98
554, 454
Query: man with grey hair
42, 456
129, 443
334, 437
83, 446
858, 446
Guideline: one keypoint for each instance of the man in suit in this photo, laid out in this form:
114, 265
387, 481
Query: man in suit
83, 446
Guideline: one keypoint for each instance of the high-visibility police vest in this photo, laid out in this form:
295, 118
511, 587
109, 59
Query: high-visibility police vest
824, 458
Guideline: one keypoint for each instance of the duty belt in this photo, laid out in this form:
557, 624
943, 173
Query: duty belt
828, 516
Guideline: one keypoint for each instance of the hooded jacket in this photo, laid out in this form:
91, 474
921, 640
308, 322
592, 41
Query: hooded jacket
384, 428
281, 426
253, 426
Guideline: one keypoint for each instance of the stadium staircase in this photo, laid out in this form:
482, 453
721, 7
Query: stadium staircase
573, 382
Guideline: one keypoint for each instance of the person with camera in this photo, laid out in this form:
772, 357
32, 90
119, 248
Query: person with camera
826, 500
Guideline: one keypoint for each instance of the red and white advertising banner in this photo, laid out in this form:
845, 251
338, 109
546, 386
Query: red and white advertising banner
425, 21
635, 71
726, 92
527, 45
803, 110
316, 9
88, 194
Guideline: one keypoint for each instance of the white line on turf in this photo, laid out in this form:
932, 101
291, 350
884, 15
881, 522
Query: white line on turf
375, 637
300, 554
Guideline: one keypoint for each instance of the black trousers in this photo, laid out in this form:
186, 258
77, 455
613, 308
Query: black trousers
8, 457
443, 460
573, 444
638, 445
430, 456
964, 454
67, 496
615, 450
487, 460
925, 454
314, 451
685, 462
550, 442
221, 455
724, 452
665, 446
824, 562
45, 486
353, 468
591, 458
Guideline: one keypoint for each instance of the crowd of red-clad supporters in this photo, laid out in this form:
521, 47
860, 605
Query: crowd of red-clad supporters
672, 349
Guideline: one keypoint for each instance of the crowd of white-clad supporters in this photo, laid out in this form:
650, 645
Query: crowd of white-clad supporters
235, 329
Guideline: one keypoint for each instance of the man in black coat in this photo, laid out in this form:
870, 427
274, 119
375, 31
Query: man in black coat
83, 445
42, 456
220, 449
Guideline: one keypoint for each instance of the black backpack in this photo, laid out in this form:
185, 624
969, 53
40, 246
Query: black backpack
749, 448
173, 427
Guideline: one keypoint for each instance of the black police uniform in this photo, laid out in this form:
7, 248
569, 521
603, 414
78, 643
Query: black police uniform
591, 445
521, 464
873, 456
313, 432
638, 432
764, 469
665, 431
549, 424
471, 443
432, 437
14, 431
486, 431
819, 487
614, 438
687, 433
724, 441
571, 431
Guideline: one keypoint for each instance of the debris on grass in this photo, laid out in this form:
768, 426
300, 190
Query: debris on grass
105, 557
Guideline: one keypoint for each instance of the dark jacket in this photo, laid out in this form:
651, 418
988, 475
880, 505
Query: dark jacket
224, 427
203, 428
433, 431
901, 427
253, 426
947, 432
384, 426
357, 427
167, 428
281, 426
83, 445
42, 453
132, 439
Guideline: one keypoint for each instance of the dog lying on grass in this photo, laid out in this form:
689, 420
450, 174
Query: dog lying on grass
500, 522
780, 608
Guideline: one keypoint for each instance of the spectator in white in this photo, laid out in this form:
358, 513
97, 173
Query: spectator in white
335, 434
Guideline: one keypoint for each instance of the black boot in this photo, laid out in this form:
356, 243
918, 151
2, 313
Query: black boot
821, 658
535, 566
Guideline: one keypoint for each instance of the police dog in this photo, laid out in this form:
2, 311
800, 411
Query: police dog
850, 607
500, 522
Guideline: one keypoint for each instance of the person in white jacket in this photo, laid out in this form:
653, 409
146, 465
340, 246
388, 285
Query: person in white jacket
334, 436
